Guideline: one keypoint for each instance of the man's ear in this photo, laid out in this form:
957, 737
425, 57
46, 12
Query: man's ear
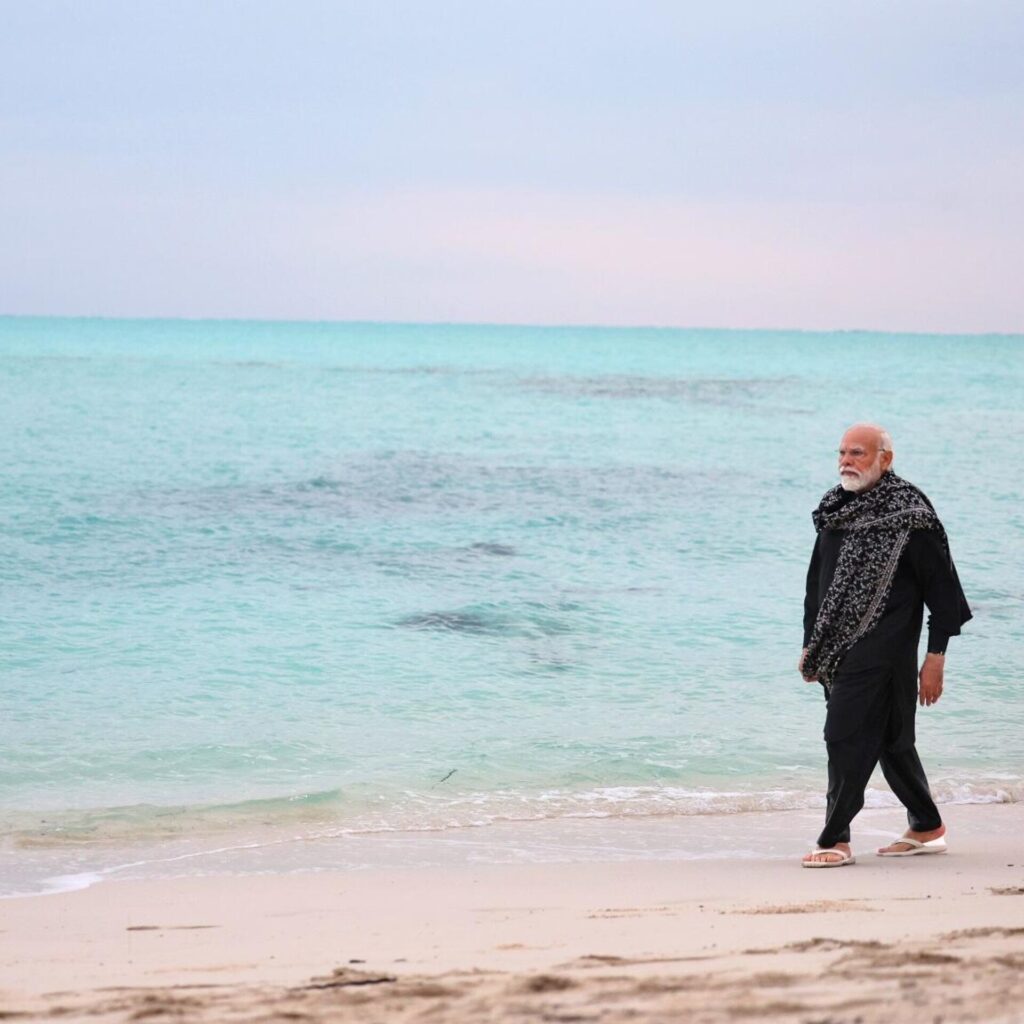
886, 460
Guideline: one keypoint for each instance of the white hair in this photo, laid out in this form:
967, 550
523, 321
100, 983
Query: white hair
884, 437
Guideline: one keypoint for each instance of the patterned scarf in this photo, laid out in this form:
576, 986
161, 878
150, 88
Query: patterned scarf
877, 524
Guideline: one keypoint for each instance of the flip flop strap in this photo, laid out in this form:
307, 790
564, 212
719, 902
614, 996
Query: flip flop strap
910, 842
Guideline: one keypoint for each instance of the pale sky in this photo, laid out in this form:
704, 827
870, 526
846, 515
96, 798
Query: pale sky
851, 164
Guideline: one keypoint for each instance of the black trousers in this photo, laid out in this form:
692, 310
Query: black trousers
852, 759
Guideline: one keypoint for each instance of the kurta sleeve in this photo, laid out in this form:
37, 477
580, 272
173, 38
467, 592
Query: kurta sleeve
811, 597
940, 588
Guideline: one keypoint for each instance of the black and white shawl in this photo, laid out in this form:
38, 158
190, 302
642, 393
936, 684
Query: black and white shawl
878, 523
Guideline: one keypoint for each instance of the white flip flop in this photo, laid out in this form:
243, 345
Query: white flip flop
846, 858
916, 847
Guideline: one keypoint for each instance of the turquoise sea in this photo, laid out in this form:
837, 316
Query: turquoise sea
316, 580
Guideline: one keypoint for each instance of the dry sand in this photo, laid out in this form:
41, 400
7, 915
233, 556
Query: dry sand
938, 938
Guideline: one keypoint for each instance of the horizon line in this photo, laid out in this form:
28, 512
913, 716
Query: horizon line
545, 326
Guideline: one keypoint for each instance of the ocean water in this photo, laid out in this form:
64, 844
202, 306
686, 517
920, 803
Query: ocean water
312, 580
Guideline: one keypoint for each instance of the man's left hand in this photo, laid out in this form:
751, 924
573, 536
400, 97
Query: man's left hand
930, 678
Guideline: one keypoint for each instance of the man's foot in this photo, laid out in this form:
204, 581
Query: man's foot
834, 855
897, 846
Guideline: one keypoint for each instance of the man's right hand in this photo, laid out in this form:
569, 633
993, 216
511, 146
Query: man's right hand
800, 668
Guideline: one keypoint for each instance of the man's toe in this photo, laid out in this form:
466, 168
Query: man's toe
825, 855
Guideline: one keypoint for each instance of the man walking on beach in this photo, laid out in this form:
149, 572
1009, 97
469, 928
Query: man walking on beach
881, 554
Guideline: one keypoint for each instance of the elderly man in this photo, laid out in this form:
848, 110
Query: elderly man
881, 554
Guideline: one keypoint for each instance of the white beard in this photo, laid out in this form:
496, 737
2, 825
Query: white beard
855, 481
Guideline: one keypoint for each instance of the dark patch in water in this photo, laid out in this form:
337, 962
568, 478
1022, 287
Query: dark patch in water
550, 664
321, 483
488, 548
288, 517
710, 391
497, 623
451, 622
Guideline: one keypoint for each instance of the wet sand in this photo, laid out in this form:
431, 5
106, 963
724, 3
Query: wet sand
923, 938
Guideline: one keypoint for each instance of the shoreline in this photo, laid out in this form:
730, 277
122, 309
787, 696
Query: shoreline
41, 867
723, 936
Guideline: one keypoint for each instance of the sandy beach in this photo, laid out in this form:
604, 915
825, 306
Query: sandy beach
481, 482
925, 938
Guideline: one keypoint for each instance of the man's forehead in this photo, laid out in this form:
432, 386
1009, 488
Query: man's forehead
864, 436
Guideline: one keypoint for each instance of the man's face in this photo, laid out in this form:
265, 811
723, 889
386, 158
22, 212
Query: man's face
861, 462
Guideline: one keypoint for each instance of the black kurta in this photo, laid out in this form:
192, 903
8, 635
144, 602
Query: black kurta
887, 655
